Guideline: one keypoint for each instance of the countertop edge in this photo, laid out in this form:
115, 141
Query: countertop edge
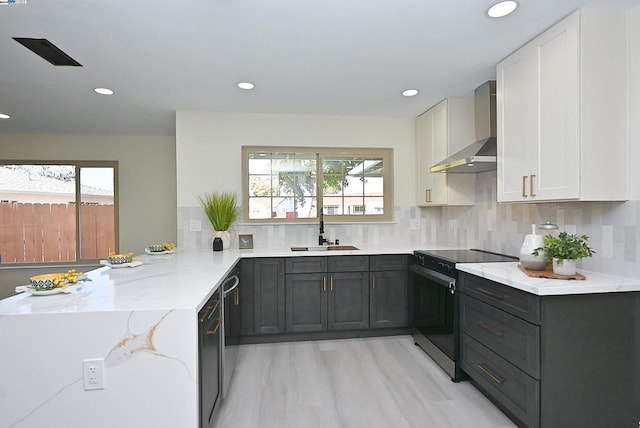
507, 273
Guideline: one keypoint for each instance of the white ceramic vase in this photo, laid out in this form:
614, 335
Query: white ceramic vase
527, 259
564, 267
225, 236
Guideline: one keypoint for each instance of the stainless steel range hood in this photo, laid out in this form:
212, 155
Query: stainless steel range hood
481, 155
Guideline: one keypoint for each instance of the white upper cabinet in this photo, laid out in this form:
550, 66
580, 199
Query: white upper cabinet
440, 131
561, 102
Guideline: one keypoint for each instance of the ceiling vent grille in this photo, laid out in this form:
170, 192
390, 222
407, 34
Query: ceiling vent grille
48, 51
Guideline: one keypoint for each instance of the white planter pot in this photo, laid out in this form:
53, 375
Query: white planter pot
225, 236
564, 267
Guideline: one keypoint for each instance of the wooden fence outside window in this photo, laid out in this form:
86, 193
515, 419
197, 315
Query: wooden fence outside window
36, 233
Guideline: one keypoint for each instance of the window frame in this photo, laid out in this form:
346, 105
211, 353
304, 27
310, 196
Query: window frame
321, 152
78, 165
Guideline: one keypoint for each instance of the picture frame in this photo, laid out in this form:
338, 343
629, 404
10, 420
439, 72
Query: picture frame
245, 241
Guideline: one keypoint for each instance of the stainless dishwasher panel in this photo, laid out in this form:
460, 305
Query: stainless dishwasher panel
231, 287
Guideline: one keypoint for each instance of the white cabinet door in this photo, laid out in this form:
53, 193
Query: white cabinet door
434, 143
440, 149
557, 172
554, 97
516, 126
424, 138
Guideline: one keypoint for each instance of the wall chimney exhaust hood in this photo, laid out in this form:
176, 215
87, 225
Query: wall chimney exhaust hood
481, 155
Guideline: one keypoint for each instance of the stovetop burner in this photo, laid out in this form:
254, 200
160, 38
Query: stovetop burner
467, 256
444, 261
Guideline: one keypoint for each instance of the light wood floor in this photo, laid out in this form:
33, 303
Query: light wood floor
374, 382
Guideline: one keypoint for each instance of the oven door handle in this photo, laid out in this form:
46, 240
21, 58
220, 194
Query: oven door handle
233, 287
437, 277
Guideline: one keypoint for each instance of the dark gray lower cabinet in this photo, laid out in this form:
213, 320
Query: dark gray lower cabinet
318, 301
327, 301
306, 298
319, 294
389, 299
348, 306
552, 361
238, 306
268, 295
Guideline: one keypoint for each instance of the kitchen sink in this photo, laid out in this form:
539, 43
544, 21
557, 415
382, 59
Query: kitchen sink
326, 248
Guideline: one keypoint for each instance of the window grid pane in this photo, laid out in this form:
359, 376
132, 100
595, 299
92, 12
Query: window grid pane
38, 211
351, 186
289, 191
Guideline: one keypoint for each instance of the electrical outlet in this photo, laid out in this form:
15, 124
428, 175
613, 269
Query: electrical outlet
93, 371
195, 226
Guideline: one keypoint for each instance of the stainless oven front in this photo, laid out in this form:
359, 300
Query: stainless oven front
435, 316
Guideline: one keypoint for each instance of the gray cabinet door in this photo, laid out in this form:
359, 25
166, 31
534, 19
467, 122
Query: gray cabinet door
389, 299
306, 302
268, 294
348, 301
245, 297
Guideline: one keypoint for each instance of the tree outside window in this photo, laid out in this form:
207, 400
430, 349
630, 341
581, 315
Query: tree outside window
288, 184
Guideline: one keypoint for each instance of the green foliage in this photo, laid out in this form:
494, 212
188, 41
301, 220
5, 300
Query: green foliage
565, 247
221, 208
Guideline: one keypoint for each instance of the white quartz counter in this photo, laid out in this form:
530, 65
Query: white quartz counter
183, 280
509, 274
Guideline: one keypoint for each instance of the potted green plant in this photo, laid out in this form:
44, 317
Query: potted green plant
223, 211
564, 250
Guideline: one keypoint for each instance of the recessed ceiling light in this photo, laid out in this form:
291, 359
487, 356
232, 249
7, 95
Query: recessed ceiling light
502, 8
246, 85
4, 116
104, 91
410, 92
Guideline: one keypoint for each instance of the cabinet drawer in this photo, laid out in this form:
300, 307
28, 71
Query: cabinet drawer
348, 263
511, 387
510, 337
389, 262
306, 264
516, 302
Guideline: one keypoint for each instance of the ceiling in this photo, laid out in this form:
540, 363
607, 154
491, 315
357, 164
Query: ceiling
328, 57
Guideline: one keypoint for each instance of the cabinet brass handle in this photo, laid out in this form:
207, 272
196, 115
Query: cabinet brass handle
236, 297
216, 328
490, 329
331, 282
373, 280
324, 283
209, 310
531, 192
428, 195
490, 293
524, 186
492, 376
205, 313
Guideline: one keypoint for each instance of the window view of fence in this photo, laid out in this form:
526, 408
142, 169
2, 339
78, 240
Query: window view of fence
38, 216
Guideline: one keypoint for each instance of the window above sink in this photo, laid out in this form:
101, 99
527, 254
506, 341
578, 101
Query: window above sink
295, 184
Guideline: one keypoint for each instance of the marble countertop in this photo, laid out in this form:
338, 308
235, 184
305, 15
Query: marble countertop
187, 278
509, 274
183, 280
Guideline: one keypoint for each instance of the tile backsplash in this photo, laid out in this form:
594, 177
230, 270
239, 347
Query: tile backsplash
613, 228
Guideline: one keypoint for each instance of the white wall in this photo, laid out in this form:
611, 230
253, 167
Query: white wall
634, 102
147, 186
208, 146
